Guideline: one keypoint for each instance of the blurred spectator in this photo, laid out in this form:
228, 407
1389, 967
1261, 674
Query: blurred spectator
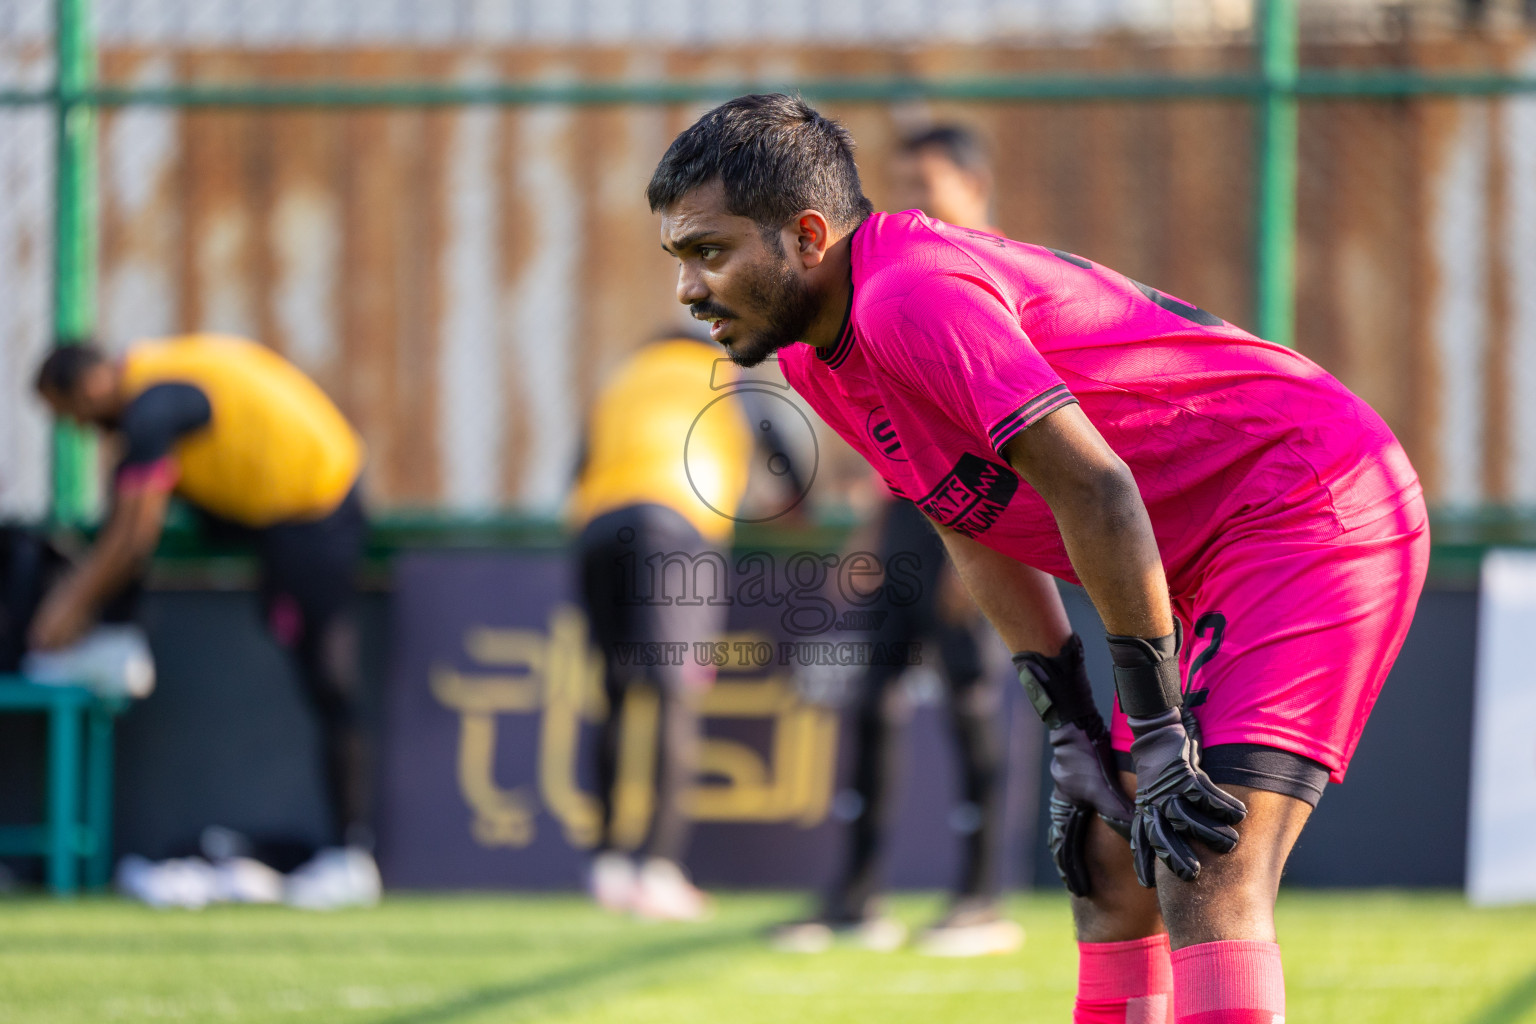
664, 468
265, 457
1475, 12
945, 171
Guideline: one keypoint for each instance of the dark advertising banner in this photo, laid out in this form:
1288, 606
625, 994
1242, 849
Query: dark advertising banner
492, 712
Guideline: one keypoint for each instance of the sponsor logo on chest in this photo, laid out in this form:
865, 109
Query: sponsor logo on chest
881, 433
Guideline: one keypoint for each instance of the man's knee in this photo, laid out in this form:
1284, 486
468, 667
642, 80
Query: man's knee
1234, 895
328, 658
1232, 899
1118, 909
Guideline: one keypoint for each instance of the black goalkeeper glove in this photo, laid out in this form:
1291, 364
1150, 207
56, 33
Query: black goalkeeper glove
1175, 799
1082, 763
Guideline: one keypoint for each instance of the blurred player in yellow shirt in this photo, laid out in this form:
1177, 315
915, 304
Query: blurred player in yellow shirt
655, 501
255, 446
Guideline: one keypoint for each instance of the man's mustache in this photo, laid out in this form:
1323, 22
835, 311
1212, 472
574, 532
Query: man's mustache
706, 310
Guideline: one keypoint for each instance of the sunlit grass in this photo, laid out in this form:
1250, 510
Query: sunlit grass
1350, 957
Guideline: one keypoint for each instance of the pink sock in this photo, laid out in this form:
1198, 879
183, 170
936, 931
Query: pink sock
1124, 982
1229, 983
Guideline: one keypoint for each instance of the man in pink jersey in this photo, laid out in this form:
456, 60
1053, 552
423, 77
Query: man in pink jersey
1250, 532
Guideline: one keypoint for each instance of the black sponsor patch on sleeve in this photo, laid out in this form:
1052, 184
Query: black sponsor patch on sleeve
971, 496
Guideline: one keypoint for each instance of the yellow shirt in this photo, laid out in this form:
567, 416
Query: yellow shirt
660, 434
276, 448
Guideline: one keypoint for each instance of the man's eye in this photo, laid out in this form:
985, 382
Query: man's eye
708, 252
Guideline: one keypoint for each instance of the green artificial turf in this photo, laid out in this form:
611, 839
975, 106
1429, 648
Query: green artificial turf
1358, 958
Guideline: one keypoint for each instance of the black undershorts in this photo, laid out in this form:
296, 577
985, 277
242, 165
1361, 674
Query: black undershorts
1257, 767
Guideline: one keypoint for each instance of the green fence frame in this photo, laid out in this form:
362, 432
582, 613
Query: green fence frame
74, 243
1273, 88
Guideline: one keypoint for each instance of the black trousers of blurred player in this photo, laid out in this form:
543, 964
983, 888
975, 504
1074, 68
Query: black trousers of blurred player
308, 595
623, 593
974, 702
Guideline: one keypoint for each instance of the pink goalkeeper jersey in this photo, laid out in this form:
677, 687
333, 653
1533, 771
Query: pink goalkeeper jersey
957, 340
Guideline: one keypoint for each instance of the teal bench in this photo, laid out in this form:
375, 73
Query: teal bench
78, 829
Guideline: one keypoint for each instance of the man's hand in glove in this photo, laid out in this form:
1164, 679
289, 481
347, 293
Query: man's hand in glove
1082, 763
1175, 800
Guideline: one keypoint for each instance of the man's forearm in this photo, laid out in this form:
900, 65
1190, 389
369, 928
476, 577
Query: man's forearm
123, 546
1020, 602
1103, 523
108, 568
1110, 542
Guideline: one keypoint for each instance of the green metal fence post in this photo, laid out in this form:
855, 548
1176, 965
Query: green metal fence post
74, 280
1275, 194
64, 797
99, 724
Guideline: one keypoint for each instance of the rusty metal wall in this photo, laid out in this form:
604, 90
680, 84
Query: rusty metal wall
26, 309
1417, 271
460, 279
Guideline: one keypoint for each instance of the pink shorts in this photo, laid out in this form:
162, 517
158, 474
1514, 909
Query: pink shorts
1290, 634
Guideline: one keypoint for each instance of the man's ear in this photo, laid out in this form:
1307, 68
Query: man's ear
808, 236
99, 388
983, 180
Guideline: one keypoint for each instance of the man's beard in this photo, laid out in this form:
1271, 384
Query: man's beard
786, 304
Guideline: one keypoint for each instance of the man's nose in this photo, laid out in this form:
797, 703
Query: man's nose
690, 286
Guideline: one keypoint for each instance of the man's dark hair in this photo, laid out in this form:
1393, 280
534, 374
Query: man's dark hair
65, 366
960, 145
774, 154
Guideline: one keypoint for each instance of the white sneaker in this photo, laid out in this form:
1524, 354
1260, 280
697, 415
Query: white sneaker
611, 881
187, 883
341, 876
664, 893
971, 928
244, 880
879, 934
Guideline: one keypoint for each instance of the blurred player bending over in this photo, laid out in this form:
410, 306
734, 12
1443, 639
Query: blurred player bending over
648, 517
1250, 532
263, 454
942, 171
